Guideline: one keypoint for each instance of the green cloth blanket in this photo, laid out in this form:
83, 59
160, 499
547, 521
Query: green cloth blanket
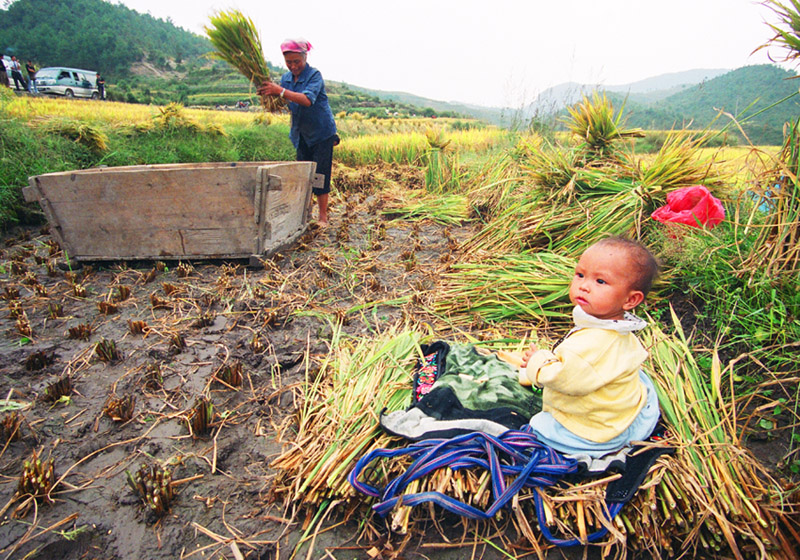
473, 392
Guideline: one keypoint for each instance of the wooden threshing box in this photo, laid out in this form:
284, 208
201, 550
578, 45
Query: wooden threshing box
176, 211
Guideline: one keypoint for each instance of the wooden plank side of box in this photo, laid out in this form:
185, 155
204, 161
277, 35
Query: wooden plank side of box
151, 211
286, 201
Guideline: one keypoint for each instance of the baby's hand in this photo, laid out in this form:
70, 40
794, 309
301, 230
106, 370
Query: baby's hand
513, 358
526, 355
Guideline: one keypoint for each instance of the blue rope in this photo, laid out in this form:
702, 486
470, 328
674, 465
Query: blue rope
515, 454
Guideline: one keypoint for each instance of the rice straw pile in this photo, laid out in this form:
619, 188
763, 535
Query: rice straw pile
711, 497
566, 207
714, 496
237, 42
778, 248
523, 287
338, 421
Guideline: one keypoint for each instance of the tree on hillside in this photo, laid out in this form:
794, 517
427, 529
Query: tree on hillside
108, 37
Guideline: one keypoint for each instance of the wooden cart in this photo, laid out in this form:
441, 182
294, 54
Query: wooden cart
177, 211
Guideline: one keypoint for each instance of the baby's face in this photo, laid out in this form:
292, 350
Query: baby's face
601, 285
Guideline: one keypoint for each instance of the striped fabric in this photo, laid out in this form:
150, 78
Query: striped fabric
515, 454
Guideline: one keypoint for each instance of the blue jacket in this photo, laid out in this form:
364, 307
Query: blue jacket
314, 123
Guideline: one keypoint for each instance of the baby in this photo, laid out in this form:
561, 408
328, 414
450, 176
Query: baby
596, 399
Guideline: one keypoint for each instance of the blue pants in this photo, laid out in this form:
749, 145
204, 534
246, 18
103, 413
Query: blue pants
322, 154
550, 432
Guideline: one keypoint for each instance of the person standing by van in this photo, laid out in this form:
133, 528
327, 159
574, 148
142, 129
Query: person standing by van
101, 85
31, 70
3, 73
16, 74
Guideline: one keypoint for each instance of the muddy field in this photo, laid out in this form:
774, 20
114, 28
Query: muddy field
107, 364
148, 340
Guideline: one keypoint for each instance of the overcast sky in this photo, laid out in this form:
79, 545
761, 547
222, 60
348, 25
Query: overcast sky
496, 52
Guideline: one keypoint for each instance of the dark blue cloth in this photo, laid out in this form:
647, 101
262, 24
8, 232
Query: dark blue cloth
322, 154
314, 123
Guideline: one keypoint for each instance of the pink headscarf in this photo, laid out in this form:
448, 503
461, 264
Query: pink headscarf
296, 45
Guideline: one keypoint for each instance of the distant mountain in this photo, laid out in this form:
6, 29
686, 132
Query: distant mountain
650, 89
750, 95
556, 98
759, 98
493, 115
762, 98
670, 81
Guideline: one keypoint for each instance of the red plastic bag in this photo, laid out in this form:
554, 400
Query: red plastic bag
692, 206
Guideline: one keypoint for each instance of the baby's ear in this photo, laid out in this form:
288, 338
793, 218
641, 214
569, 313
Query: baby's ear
635, 297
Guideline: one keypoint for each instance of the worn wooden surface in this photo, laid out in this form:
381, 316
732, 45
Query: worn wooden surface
174, 211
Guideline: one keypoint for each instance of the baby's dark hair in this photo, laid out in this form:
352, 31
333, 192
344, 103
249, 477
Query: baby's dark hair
645, 263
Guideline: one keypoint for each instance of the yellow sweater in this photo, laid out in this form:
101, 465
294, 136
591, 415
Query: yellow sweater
591, 380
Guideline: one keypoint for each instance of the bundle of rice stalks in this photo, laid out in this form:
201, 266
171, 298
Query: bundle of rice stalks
623, 214
678, 164
237, 42
593, 121
787, 30
436, 138
550, 165
777, 250
544, 224
338, 420
715, 494
494, 186
529, 287
79, 132
415, 206
441, 166
504, 233
173, 117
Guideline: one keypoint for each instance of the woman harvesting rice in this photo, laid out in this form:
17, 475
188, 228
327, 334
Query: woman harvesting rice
313, 131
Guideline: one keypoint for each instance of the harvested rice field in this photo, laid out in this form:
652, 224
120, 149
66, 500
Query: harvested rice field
213, 410
159, 337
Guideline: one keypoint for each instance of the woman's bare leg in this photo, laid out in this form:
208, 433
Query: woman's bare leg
322, 202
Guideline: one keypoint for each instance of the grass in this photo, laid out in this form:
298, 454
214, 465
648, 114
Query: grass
409, 147
44, 135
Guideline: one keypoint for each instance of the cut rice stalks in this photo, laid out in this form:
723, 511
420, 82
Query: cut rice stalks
513, 287
711, 497
237, 42
338, 421
725, 498
441, 208
777, 250
678, 163
597, 203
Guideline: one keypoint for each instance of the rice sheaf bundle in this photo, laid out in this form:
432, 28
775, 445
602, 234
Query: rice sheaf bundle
236, 40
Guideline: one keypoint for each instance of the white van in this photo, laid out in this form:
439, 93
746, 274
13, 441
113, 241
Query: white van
69, 82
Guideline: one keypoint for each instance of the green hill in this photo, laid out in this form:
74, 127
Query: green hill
751, 95
149, 60
92, 34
